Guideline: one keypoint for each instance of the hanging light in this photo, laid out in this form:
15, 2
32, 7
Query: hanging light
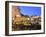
18, 16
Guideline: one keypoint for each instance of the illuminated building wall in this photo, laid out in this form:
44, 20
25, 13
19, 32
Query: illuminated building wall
15, 12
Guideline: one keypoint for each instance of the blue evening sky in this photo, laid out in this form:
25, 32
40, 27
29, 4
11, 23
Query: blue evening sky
29, 10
